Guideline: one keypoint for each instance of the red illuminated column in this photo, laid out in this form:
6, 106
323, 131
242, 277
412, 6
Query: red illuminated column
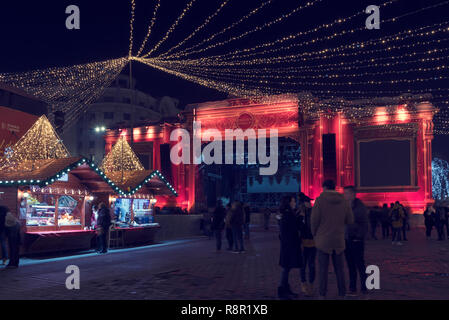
156, 155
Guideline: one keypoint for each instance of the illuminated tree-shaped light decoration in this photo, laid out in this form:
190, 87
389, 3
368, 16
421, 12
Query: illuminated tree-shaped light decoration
40, 142
121, 159
440, 179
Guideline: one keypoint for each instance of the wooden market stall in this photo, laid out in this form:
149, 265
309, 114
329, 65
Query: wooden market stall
53, 202
133, 206
49, 191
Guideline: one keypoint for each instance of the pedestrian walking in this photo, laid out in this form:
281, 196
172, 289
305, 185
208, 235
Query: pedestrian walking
228, 227
397, 221
247, 211
218, 223
103, 224
385, 221
11, 227
308, 245
266, 218
373, 220
405, 225
290, 253
3, 236
3, 212
446, 219
429, 220
355, 241
440, 220
330, 214
237, 221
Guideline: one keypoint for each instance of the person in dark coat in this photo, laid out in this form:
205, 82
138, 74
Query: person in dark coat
3, 212
218, 223
429, 220
446, 220
103, 224
373, 219
406, 225
236, 221
247, 211
266, 218
290, 254
308, 245
355, 234
385, 221
440, 218
11, 227
228, 228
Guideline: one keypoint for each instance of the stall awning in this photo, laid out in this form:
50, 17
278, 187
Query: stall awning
133, 181
37, 171
47, 172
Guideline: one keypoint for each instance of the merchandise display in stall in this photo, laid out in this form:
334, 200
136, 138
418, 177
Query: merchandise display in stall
69, 210
131, 212
122, 210
40, 209
143, 211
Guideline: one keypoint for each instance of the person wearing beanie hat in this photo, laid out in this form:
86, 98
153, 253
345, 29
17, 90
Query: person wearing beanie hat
12, 228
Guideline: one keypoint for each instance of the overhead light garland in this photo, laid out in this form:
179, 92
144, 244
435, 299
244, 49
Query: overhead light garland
243, 52
172, 28
205, 23
68, 89
131, 28
150, 27
226, 29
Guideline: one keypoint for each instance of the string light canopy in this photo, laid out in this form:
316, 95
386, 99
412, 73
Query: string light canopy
325, 60
68, 89
40, 142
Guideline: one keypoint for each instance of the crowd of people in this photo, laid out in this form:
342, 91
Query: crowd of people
437, 216
393, 220
234, 221
334, 228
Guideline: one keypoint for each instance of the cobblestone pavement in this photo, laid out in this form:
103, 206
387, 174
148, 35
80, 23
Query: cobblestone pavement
193, 270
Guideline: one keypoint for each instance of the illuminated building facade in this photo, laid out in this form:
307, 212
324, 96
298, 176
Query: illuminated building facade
384, 152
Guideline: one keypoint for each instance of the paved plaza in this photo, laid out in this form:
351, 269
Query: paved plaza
191, 269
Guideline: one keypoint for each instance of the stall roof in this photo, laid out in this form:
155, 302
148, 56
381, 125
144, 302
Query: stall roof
132, 181
46, 172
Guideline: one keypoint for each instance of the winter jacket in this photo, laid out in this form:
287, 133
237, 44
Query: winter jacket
429, 217
290, 226
104, 218
397, 217
306, 232
2, 223
247, 211
384, 216
358, 229
218, 218
330, 213
237, 217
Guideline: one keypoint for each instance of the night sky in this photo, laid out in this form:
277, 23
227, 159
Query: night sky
33, 34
